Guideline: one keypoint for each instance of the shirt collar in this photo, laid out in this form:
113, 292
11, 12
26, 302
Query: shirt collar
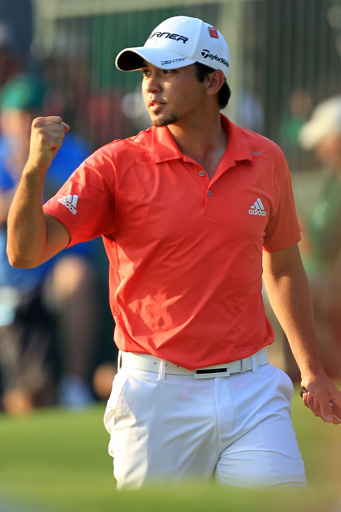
237, 147
165, 148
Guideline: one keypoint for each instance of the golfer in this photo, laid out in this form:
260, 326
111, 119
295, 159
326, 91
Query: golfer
188, 210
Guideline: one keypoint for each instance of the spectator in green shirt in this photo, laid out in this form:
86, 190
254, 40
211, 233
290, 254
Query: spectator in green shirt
322, 256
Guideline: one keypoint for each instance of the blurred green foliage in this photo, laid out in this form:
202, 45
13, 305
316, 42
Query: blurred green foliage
55, 460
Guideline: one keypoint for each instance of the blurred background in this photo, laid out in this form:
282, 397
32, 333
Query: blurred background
285, 61
286, 57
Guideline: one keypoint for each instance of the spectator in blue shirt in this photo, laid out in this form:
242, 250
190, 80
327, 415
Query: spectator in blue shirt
64, 286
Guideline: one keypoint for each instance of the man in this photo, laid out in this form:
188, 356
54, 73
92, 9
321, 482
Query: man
64, 286
321, 248
185, 209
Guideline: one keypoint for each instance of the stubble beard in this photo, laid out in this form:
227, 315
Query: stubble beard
171, 119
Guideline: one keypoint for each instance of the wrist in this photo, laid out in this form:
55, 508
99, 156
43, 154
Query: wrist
310, 377
33, 169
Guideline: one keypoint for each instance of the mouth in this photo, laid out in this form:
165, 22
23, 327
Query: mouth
155, 106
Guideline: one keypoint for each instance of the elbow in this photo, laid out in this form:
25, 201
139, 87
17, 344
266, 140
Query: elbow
17, 260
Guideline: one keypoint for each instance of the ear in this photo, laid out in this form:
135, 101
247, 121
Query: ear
215, 81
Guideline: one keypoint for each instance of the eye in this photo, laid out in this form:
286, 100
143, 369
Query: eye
145, 72
168, 71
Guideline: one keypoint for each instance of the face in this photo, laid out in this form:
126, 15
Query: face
172, 96
16, 124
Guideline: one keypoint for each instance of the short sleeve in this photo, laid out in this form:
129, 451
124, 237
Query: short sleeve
85, 204
283, 228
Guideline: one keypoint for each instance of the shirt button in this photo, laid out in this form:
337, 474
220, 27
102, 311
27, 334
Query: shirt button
209, 193
202, 173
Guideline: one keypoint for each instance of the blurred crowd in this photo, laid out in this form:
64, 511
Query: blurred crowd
314, 132
321, 229
51, 318
50, 321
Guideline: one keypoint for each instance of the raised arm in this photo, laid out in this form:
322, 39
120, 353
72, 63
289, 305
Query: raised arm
32, 236
289, 294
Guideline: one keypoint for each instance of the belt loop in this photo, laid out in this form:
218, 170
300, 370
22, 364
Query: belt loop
162, 370
254, 363
119, 360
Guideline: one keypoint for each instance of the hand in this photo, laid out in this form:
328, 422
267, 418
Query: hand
47, 135
323, 399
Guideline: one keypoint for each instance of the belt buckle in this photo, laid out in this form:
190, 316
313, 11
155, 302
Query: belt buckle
211, 373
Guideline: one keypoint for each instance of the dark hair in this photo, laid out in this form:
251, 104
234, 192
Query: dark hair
224, 93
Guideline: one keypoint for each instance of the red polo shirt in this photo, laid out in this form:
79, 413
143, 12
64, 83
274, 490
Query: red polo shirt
185, 251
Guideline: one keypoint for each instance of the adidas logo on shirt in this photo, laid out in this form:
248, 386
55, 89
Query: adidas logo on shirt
70, 202
258, 208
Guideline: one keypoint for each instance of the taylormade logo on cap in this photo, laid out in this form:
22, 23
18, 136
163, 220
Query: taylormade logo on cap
208, 55
178, 42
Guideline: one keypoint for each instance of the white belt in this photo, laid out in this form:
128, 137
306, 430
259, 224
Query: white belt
151, 363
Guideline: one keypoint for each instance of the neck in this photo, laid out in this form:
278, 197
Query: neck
204, 141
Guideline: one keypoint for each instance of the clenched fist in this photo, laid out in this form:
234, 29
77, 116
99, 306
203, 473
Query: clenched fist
47, 135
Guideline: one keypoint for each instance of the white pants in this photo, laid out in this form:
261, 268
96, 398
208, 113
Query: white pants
237, 429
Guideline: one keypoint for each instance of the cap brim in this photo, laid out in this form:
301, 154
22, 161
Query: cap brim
311, 134
132, 59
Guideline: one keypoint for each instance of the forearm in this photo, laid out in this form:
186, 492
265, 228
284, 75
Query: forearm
33, 237
27, 232
289, 294
290, 299
288, 289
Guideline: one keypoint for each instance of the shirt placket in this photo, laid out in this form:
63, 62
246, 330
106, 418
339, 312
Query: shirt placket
206, 184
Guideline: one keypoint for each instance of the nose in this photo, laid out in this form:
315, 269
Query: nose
152, 83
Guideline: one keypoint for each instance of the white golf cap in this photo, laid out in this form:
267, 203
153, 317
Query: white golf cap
178, 42
325, 120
